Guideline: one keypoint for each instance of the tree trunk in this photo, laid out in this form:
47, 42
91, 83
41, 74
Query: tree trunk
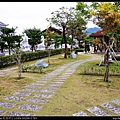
9, 51
72, 42
107, 66
19, 66
65, 42
49, 51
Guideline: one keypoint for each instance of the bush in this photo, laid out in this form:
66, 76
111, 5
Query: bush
26, 56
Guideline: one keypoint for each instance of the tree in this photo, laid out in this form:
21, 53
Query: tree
48, 42
9, 38
76, 27
18, 53
107, 16
34, 36
2, 44
60, 18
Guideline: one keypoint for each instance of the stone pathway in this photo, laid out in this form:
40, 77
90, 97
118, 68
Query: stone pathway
32, 97
104, 109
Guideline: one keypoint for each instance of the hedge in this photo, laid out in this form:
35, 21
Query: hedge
9, 60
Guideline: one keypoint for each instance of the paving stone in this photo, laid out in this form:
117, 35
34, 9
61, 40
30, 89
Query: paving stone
33, 86
116, 102
80, 114
98, 112
13, 113
111, 108
6, 104
38, 84
41, 82
22, 93
29, 107
59, 79
50, 88
43, 95
43, 78
15, 98
48, 91
36, 100
54, 84
57, 82
2, 111
28, 90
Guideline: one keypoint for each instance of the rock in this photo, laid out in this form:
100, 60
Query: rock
73, 55
41, 63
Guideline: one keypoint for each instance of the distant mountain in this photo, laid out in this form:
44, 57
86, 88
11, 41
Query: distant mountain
92, 30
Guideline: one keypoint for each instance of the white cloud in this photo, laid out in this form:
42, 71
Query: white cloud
29, 14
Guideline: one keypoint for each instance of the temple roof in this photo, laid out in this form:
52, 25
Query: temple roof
2, 25
97, 34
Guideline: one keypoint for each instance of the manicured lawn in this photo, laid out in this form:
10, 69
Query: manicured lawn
79, 91
83, 91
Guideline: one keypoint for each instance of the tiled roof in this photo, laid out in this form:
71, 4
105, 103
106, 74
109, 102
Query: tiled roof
2, 25
97, 34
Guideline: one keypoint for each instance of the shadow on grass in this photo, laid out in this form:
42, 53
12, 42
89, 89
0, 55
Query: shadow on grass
97, 74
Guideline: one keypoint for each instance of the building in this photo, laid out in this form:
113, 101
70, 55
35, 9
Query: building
99, 34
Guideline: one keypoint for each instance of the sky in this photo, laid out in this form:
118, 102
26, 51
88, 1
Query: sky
25, 15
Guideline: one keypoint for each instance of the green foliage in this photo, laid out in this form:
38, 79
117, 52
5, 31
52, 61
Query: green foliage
34, 36
8, 39
26, 56
31, 68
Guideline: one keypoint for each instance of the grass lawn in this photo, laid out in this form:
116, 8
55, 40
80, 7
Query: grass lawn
84, 91
79, 91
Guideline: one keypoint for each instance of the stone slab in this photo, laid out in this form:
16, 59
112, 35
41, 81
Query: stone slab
80, 114
57, 82
47, 91
51, 88
43, 95
29, 107
98, 112
33, 86
6, 104
22, 93
2, 111
13, 113
28, 90
53, 84
14, 98
111, 108
36, 100
116, 102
